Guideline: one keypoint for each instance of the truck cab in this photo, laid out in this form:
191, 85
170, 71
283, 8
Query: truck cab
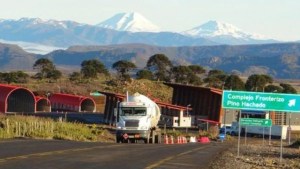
136, 119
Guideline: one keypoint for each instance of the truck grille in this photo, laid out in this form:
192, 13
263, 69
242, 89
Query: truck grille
132, 123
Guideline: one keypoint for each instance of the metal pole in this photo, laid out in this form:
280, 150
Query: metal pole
270, 130
225, 123
281, 137
238, 153
289, 129
245, 135
263, 135
270, 133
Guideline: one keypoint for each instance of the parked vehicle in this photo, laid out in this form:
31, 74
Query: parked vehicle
137, 119
230, 130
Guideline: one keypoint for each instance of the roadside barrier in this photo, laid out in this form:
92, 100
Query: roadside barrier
193, 140
204, 140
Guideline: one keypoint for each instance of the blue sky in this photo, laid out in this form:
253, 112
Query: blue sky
279, 19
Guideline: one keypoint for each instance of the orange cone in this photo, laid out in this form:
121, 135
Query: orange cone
166, 140
171, 140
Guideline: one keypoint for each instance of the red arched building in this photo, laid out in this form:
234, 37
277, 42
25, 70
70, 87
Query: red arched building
42, 104
16, 99
71, 103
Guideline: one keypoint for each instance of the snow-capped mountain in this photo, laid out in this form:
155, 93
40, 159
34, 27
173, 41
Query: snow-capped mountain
132, 22
225, 33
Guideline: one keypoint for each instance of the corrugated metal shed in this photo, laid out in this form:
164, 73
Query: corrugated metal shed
205, 102
72, 103
16, 99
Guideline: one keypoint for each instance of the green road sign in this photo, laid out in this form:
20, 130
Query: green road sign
256, 122
261, 101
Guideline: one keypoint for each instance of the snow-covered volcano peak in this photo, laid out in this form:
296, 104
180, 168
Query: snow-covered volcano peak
133, 22
213, 29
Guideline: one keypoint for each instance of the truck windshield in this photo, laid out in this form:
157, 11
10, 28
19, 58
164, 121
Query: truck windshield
133, 111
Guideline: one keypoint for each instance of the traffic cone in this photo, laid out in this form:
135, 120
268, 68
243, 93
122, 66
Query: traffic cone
171, 140
178, 140
166, 140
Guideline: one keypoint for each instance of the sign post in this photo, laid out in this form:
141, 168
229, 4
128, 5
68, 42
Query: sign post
241, 100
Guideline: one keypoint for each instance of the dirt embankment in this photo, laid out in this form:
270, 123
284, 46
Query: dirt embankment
256, 154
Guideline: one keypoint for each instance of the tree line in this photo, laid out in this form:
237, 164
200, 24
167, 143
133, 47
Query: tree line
158, 68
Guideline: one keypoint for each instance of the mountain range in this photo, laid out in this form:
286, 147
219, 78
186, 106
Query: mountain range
278, 60
130, 36
121, 29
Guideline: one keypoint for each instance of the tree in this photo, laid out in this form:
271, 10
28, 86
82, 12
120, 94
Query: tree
161, 66
144, 74
46, 69
181, 74
216, 78
234, 82
91, 68
185, 75
123, 67
287, 88
257, 82
75, 77
196, 69
44, 66
54, 74
273, 89
14, 77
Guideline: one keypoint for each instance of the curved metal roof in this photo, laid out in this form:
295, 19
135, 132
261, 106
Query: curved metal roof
16, 99
68, 102
42, 104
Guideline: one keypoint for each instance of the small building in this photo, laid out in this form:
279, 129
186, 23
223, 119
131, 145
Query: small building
14, 99
71, 103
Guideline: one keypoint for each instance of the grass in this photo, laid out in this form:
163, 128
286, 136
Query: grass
35, 127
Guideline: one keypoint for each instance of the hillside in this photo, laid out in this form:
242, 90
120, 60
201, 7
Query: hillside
279, 60
12, 57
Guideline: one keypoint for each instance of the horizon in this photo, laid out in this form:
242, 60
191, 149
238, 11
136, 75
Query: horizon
271, 18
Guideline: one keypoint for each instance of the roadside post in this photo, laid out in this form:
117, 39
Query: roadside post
270, 130
240, 117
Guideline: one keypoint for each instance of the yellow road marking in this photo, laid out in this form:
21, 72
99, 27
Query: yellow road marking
171, 157
54, 152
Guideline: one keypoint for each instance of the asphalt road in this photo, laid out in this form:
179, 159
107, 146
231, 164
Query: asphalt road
56, 154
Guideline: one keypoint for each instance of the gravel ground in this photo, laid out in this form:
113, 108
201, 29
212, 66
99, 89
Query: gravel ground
258, 155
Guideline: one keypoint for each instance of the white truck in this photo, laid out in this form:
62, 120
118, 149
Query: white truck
277, 131
137, 119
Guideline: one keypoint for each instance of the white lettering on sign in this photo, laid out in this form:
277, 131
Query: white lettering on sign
253, 105
269, 98
240, 97
259, 98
